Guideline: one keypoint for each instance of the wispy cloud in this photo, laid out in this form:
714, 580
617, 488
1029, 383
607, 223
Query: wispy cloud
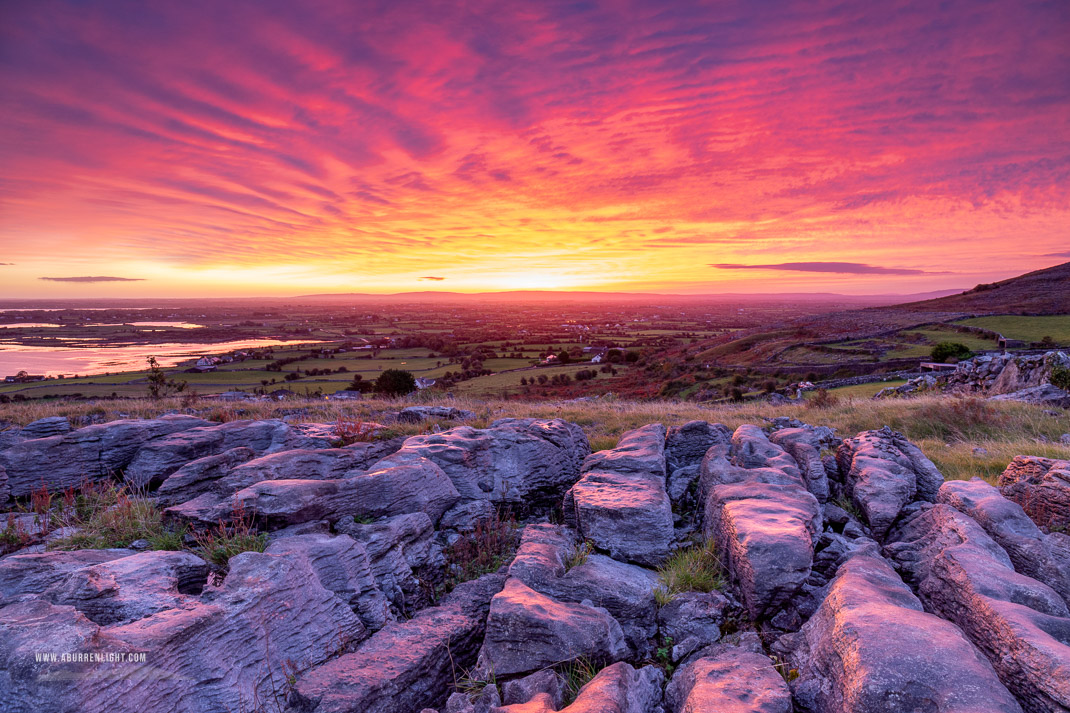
93, 278
434, 279
1065, 254
840, 268
489, 137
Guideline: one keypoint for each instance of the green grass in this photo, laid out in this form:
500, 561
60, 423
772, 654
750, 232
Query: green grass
579, 555
862, 391
495, 384
695, 569
109, 516
1031, 329
577, 673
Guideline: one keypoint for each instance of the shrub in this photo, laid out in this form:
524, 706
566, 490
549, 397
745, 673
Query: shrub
821, 399
14, 536
395, 382
1060, 377
945, 351
159, 385
348, 431
359, 384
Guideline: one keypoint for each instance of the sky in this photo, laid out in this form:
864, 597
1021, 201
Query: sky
270, 147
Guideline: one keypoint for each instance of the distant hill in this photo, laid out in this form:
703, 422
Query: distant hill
550, 296
1045, 291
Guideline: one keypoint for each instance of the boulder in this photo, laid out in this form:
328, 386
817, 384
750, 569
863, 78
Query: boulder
225, 652
1045, 558
751, 448
546, 682
1042, 394
200, 476
163, 456
130, 588
87, 454
26, 576
680, 481
342, 566
871, 648
46, 427
419, 414
417, 486
618, 688
764, 532
716, 469
406, 666
962, 575
803, 446
402, 555
692, 620
527, 631
728, 679
883, 472
639, 452
520, 461
624, 590
464, 517
1042, 487
296, 464
628, 515
685, 445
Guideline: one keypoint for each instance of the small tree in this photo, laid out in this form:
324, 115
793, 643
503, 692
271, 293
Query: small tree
945, 351
631, 357
159, 384
359, 384
563, 357
395, 382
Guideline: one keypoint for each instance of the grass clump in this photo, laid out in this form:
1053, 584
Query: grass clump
848, 506
485, 550
473, 685
580, 554
109, 515
14, 536
220, 543
695, 569
577, 673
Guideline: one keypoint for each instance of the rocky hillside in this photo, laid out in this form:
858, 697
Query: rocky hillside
174, 564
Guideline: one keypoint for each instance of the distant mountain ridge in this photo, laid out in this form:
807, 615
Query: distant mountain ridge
1044, 291
508, 296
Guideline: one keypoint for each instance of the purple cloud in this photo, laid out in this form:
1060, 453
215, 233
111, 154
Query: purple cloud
93, 278
843, 268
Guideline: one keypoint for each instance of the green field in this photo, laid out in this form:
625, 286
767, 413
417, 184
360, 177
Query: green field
1030, 329
495, 384
862, 391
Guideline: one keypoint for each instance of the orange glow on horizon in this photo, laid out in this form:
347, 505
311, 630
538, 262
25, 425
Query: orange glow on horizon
480, 147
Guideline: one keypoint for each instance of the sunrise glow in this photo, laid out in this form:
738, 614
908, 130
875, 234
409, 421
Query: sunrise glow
280, 148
